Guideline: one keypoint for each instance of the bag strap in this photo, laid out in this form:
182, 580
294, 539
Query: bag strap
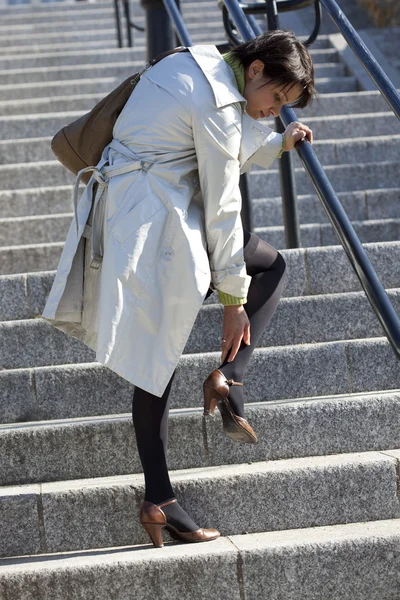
167, 53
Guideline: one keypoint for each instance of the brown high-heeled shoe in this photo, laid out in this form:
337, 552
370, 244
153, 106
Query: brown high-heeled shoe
154, 520
216, 392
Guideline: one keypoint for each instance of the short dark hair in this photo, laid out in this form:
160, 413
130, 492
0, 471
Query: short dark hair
286, 59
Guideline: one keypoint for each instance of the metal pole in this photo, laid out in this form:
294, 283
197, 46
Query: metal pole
118, 23
159, 32
286, 168
272, 15
178, 6
172, 8
378, 75
289, 196
127, 14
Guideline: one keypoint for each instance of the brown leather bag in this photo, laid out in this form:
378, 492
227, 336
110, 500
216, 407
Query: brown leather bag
81, 143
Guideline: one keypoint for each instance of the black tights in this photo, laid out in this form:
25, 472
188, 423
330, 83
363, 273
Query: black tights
150, 413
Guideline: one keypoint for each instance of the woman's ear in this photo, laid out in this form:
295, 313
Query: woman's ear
254, 68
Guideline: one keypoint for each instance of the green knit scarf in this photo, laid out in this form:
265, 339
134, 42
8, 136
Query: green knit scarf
235, 64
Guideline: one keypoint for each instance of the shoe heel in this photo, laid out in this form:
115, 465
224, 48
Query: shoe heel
154, 531
210, 401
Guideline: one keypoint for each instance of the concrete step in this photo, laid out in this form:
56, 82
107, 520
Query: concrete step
326, 271
104, 85
329, 152
342, 177
361, 559
138, 53
55, 47
345, 103
327, 104
27, 91
363, 208
323, 234
359, 206
107, 34
53, 9
36, 201
119, 68
40, 49
329, 490
212, 22
36, 229
21, 12
63, 449
54, 228
325, 127
34, 342
105, 14
319, 369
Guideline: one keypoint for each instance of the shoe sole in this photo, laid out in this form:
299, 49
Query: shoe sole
232, 428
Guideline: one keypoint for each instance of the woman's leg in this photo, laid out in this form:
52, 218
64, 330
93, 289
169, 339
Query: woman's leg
267, 268
150, 420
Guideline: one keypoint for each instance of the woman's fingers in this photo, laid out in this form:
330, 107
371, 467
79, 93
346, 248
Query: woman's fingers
246, 335
232, 345
297, 131
235, 347
226, 345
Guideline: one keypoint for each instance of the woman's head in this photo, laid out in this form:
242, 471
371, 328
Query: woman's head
278, 71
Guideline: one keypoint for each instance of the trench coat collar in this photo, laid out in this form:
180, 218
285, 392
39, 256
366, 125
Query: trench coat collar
219, 75
223, 83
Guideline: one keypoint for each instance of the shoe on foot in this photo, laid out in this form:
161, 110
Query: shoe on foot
216, 394
154, 520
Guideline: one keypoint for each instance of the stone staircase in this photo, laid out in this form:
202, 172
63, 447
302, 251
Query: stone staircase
312, 511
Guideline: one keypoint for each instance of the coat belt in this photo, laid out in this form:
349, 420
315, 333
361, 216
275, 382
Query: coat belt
101, 174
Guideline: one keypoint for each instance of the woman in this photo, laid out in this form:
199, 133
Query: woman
162, 211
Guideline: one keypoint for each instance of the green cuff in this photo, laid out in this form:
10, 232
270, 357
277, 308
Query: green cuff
228, 300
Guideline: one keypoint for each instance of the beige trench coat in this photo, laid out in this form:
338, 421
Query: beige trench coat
159, 221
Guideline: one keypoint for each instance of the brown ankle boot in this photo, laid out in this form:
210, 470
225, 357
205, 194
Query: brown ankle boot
216, 392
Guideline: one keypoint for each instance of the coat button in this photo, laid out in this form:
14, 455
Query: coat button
168, 254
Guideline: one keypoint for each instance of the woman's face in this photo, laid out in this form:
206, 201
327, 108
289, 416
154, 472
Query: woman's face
266, 101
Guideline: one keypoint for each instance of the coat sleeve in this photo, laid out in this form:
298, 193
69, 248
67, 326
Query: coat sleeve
265, 155
217, 137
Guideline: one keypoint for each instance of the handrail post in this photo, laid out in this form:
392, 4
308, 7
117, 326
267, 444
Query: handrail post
159, 32
289, 196
286, 168
118, 23
127, 13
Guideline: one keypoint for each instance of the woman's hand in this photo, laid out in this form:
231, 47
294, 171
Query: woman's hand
294, 132
236, 326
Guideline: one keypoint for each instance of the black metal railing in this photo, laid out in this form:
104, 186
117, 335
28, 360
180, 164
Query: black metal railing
124, 6
377, 74
356, 254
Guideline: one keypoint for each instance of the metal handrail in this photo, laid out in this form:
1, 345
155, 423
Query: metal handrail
356, 254
178, 22
377, 74
129, 23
